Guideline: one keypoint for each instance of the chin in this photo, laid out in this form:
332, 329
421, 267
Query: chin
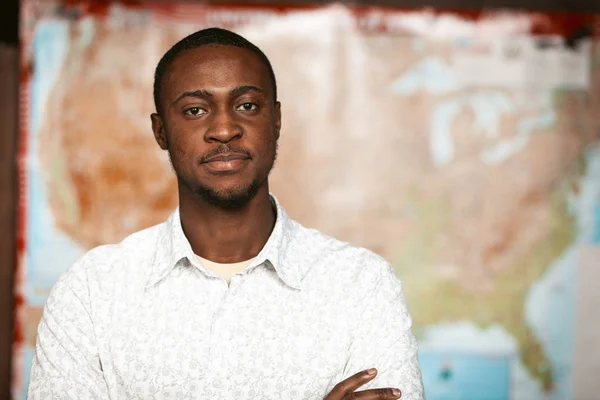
231, 197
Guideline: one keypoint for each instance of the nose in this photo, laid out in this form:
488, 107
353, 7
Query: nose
223, 128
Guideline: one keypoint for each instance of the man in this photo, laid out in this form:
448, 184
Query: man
229, 298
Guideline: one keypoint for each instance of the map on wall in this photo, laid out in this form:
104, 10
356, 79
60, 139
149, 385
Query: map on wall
465, 151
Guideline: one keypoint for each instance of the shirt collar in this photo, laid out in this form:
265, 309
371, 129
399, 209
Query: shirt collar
173, 246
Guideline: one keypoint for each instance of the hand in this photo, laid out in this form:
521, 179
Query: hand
345, 390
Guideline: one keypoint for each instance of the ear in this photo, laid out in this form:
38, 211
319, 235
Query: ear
277, 119
159, 131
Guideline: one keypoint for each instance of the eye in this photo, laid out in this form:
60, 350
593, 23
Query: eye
195, 111
247, 107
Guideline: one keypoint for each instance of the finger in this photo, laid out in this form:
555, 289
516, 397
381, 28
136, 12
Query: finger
375, 394
352, 383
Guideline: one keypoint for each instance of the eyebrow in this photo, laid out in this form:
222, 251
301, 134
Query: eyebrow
205, 94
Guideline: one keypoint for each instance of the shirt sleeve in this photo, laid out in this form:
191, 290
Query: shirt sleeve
66, 363
383, 340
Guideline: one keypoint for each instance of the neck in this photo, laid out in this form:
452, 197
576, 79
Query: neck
226, 236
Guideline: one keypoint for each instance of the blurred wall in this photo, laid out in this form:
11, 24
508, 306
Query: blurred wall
586, 366
8, 133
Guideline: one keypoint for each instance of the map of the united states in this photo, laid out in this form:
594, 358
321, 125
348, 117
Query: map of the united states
472, 193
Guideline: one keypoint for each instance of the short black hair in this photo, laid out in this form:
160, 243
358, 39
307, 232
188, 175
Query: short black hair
207, 37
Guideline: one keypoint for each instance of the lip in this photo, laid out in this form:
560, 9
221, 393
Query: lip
226, 157
224, 163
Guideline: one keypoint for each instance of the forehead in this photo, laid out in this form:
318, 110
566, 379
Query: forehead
214, 67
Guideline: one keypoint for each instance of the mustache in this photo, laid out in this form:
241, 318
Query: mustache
225, 148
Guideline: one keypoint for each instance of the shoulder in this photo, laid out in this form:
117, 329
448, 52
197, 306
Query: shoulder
138, 245
330, 259
109, 263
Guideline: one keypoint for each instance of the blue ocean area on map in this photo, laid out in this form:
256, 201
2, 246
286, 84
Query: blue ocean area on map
465, 376
595, 238
50, 252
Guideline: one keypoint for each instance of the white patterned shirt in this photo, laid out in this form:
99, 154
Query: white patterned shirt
143, 319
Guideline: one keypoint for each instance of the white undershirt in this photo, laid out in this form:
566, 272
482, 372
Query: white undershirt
226, 271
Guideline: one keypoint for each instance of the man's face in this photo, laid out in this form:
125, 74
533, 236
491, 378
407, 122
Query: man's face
219, 122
